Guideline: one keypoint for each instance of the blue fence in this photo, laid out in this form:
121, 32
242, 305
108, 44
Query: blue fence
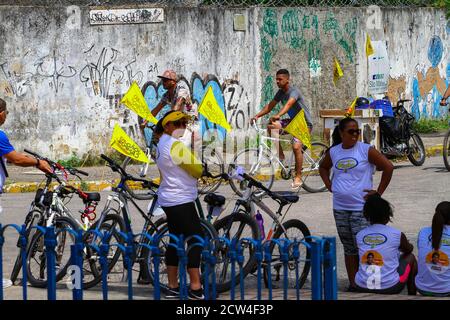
322, 259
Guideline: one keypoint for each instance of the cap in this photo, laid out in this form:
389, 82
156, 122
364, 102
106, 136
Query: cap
174, 116
169, 74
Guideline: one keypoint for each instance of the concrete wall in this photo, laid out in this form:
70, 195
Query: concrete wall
63, 82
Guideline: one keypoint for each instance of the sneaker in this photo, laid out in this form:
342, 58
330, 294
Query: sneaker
196, 294
173, 293
7, 283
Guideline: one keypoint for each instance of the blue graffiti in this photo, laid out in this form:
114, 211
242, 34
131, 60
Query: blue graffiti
435, 51
436, 107
416, 99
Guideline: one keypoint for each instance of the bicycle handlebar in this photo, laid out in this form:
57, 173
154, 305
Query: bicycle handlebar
55, 165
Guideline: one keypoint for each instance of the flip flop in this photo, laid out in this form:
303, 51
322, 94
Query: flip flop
296, 186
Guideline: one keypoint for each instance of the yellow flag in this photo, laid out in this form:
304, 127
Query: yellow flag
135, 101
125, 145
337, 74
298, 128
211, 110
369, 48
351, 110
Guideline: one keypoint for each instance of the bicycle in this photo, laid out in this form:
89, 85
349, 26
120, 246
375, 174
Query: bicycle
446, 148
209, 155
260, 163
142, 254
241, 224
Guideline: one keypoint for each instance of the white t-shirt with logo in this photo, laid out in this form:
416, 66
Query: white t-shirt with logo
379, 255
433, 266
177, 186
352, 173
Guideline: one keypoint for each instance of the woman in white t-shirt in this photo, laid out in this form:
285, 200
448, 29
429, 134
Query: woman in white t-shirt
386, 260
177, 193
433, 278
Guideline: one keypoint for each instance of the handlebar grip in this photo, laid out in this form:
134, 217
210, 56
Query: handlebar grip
84, 173
33, 153
107, 159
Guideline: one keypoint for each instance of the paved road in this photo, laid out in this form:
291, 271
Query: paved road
414, 192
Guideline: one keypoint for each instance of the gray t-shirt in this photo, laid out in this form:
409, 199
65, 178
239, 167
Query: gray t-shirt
299, 104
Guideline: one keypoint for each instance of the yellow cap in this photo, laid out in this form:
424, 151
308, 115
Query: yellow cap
174, 116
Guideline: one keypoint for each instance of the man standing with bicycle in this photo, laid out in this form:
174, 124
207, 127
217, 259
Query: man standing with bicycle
7, 152
292, 103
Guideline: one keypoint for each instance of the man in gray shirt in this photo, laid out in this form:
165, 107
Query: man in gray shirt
293, 103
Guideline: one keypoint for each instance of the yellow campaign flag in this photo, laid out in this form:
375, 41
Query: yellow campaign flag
351, 110
298, 128
211, 110
369, 48
135, 101
337, 73
125, 145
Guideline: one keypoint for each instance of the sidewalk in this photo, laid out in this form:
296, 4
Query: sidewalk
101, 178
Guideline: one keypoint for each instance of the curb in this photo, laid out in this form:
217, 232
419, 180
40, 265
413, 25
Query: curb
106, 185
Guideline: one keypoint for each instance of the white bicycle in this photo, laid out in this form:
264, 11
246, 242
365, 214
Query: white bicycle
263, 164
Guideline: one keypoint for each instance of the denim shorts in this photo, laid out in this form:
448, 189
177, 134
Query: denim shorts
348, 224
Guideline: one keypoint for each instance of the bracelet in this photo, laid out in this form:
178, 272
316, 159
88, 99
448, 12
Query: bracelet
37, 163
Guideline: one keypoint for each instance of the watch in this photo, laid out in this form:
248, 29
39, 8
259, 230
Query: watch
37, 163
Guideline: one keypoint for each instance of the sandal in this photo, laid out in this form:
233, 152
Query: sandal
296, 186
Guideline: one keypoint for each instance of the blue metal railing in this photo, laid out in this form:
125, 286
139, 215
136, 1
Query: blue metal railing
321, 256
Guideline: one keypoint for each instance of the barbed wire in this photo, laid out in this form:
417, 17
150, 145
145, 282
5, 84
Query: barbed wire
225, 3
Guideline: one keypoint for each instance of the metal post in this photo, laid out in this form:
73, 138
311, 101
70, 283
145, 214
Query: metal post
285, 259
268, 259
316, 270
232, 256
50, 245
205, 257
23, 255
330, 269
104, 265
259, 259
296, 256
156, 261
76, 252
240, 260
129, 250
2, 242
182, 262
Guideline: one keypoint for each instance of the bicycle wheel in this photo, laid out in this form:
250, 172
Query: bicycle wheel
31, 220
36, 256
162, 229
212, 158
416, 152
92, 270
137, 169
446, 150
257, 164
312, 182
295, 229
237, 225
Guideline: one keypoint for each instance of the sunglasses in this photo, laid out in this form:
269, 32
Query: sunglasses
180, 123
354, 131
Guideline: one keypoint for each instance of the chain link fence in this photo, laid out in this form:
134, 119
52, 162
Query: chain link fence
227, 3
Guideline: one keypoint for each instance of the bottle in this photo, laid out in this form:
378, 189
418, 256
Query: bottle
260, 221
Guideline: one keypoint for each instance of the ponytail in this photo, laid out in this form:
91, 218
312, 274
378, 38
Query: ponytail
440, 218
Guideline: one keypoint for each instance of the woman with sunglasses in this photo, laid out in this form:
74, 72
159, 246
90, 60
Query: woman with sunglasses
353, 164
179, 170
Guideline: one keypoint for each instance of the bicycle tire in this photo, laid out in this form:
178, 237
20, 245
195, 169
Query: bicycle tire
446, 150
420, 148
61, 223
223, 276
305, 264
162, 229
139, 194
215, 166
92, 258
267, 169
312, 182
18, 263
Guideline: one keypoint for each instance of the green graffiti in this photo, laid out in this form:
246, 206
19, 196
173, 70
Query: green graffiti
270, 23
267, 91
349, 47
292, 31
314, 49
350, 30
267, 53
306, 23
315, 24
330, 23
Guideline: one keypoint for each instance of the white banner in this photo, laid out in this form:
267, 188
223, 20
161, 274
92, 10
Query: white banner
378, 76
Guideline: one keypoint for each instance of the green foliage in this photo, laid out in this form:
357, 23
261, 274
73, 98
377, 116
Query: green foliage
431, 125
90, 160
73, 161
443, 4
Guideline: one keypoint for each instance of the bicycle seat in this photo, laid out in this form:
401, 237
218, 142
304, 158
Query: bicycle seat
214, 200
289, 196
93, 196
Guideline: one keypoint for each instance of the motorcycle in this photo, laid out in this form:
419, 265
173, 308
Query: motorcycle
398, 137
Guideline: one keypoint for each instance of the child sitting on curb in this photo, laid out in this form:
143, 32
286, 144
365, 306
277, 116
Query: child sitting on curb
433, 243
386, 260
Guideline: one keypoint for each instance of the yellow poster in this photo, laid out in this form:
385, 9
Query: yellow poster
135, 101
125, 145
337, 74
211, 110
369, 48
298, 128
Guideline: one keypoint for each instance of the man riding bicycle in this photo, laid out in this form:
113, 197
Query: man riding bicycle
293, 102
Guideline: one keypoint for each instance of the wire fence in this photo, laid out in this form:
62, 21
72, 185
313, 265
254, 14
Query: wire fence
227, 3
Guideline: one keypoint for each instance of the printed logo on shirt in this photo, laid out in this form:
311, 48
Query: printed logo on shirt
437, 261
374, 239
372, 257
445, 240
346, 164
